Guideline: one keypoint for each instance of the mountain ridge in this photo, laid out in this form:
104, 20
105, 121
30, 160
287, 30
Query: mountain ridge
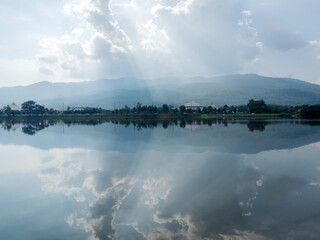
232, 89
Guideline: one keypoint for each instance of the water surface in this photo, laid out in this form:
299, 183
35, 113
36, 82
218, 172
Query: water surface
160, 180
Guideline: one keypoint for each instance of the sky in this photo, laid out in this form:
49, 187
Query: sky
81, 40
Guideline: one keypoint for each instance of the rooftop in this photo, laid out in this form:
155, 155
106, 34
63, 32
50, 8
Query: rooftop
193, 104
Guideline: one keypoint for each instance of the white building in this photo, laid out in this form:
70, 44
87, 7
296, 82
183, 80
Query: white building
193, 106
14, 107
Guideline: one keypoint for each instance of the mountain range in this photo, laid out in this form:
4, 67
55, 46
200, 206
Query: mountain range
109, 93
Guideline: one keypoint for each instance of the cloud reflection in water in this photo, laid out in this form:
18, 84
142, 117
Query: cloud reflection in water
187, 191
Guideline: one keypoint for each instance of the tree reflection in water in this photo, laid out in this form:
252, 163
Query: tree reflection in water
33, 125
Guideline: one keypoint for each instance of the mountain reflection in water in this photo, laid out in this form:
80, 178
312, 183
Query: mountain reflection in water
219, 179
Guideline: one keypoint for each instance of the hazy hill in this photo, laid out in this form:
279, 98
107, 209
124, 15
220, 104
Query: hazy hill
229, 89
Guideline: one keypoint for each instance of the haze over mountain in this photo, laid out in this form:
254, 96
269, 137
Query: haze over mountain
110, 93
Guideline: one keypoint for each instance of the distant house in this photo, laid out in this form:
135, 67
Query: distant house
77, 108
14, 107
193, 106
213, 106
58, 109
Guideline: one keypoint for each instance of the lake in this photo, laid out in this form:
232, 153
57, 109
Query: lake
218, 179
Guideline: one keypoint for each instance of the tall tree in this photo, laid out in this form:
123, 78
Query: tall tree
28, 107
165, 108
257, 106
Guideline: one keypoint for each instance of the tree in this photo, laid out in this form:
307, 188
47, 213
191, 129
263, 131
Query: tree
165, 108
312, 111
127, 109
39, 109
182, 109
7, 110
257, 106
28, 107
225, 109
138, 107
205, 110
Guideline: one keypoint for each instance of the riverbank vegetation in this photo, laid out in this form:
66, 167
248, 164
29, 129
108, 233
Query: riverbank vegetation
254, 109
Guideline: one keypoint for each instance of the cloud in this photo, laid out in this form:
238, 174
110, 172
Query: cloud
96, 42
160, 38
279, 37
243, 235
45, 71
314, 43
48, 59
182, 7
151, 199
259, 45
245, 20
151, 39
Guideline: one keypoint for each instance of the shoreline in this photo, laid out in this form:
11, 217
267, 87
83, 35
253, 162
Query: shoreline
146, 116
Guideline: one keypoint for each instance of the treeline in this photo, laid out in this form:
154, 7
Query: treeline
253, 107
32, 108
307, 111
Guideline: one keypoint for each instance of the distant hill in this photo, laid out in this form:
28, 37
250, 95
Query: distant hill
229, 89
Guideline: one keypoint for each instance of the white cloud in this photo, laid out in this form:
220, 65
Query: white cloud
153, 39
182, 7
314, 43
155, 190
96, 40
254, 60
245, 20
77, 32
187, 38
243, 235
135, 38
48, 59
259, 45
67, 9
46, 71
